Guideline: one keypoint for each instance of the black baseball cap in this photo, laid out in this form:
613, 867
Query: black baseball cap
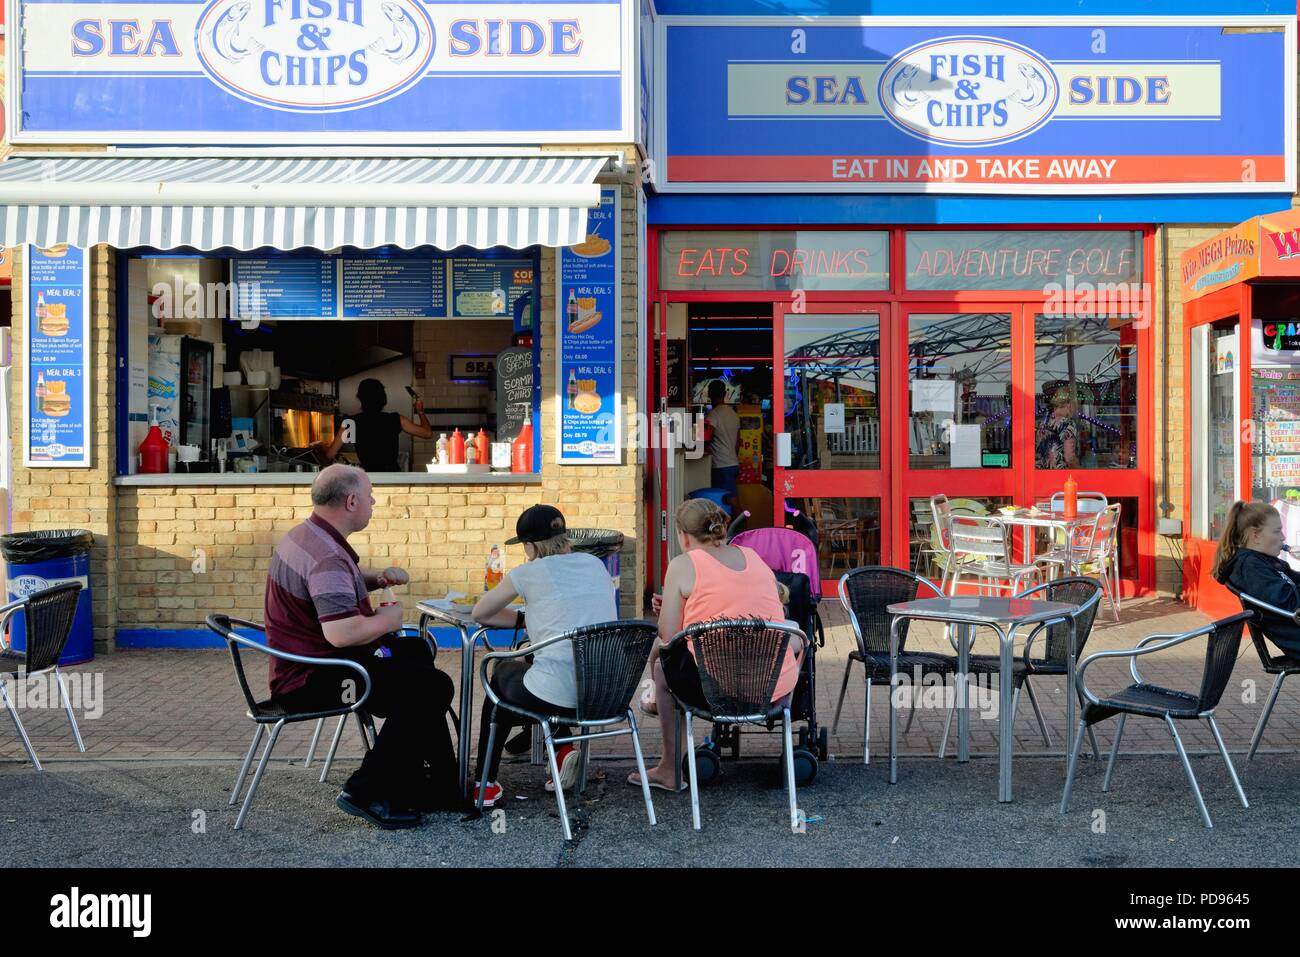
537, 524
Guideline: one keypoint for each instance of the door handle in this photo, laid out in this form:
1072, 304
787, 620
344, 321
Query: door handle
783, 454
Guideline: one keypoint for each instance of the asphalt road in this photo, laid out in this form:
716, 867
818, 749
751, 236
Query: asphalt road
173, 814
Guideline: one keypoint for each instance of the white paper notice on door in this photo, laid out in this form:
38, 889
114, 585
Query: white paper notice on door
833, 418
966, 446
934, 395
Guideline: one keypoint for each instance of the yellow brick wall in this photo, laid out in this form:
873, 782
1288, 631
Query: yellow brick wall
75, 498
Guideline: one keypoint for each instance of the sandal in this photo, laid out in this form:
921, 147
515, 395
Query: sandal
634, 779
648, 704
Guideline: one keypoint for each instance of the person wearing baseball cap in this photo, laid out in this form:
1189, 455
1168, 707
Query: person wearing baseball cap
562, 590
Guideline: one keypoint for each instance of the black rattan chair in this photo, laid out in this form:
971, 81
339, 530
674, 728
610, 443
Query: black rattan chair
1281, 665
1086, 594
1141, 698
609, 660
48, 617
739, 661
270, 711
865, 593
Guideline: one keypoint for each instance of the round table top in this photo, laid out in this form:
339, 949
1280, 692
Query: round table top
980, 609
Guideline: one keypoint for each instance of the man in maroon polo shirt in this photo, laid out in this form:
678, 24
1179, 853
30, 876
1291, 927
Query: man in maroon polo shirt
318, 606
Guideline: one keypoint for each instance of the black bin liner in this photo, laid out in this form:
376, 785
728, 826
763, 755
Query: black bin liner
31, 548
601, 542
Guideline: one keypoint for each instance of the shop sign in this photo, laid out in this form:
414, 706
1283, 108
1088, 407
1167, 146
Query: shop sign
1103, 266
57, 358
588, 427
863, 104
473, 368
782, 260
1263, 247
319, 71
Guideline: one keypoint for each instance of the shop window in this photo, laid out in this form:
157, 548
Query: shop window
848, 532
832, 397
1274, 433
1214, 438
959, 386
925, 552
1077, 264
1085, 392
778, 260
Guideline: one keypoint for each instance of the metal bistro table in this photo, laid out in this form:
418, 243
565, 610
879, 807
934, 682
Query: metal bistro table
1003, 615
1030, 520
470, 632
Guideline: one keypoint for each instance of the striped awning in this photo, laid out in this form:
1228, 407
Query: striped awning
290, 202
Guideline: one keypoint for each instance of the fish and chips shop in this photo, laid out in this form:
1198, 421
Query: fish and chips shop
245, 228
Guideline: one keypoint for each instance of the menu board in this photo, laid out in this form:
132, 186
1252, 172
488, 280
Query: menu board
57, 345
488, 288
514, 388
587, 353
394, 288
285, 288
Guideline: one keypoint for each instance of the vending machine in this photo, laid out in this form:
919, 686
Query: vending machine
180, 389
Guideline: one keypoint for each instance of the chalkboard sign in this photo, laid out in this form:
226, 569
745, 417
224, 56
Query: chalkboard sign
677, 372
514, 391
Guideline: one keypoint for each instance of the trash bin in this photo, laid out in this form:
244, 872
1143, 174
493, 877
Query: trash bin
42, 559
604, 543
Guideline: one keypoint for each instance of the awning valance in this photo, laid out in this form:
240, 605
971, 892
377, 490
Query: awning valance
290, 202
1263, 247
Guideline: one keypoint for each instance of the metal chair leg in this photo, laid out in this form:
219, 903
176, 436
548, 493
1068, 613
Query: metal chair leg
695, 778
1038, 713
334, 746
1092, 739
640, 768
1263, 718
1070, 766
315, 738
844, 687
1187, 766
789, 773
555, 776
1232, 772
67, 705
248, 760
482, 785
22, 732
1114, 750
365, 732
947, 725
257, 776
866, 725
584, 757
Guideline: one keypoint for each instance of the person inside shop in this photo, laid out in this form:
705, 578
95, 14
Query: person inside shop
1058, 442
1246, 559
374, 432
709, 579
562, 590
725, 423
318, 605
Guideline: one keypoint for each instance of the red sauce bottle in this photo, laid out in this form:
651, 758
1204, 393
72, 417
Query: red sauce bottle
456, 448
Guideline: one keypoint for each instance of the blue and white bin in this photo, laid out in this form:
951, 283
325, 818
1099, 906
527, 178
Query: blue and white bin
42, 559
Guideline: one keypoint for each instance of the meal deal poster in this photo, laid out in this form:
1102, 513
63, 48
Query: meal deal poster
587, 286
57, 343
1048, 105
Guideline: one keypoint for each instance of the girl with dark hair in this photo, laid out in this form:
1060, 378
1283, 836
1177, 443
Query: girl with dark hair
1247, 559
375, 432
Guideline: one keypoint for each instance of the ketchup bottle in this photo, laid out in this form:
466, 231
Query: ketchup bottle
521, 449
456, 447
483, 447
1071, 497
153, 450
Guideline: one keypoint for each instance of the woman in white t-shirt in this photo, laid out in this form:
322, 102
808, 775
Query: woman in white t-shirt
562, 590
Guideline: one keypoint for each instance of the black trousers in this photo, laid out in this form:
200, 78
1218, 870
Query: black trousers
412, 763
508, 683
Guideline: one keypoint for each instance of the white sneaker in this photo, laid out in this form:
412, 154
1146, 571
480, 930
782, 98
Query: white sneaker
569, 758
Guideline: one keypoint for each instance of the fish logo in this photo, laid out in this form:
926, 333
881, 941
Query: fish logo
968, 91
325, 56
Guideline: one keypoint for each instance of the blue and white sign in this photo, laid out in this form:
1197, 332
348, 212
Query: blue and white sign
324, 71
1038, 105
489, 288
588, 430
57, 358
286, 287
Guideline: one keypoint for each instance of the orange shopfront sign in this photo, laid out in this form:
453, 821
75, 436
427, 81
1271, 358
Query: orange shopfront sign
1265, 247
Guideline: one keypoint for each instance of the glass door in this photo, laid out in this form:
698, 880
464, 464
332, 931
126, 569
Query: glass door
832, 415
957, 382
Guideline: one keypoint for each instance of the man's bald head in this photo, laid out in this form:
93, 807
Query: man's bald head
335, 483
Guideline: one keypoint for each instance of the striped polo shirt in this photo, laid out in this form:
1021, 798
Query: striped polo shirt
314, 577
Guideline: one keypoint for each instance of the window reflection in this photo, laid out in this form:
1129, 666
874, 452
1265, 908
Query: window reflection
848, 531
1085, 400
832, 407
959, 373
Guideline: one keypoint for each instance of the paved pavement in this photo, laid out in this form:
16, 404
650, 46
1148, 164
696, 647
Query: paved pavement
172, 730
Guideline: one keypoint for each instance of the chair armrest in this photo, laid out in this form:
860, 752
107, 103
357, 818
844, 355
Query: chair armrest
1133, 653
304, 660
505, 655
7, 612
1033, 635
413, 631
1251, 599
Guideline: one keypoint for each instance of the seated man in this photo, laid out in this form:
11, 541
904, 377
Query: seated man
318, 605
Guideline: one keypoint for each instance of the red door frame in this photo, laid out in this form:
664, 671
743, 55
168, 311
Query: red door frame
1199, 588
837, 483
1030, 482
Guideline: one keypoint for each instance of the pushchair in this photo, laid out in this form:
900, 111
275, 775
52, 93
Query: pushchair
792, 556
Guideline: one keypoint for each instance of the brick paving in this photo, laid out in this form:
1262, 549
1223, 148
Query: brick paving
186, 706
